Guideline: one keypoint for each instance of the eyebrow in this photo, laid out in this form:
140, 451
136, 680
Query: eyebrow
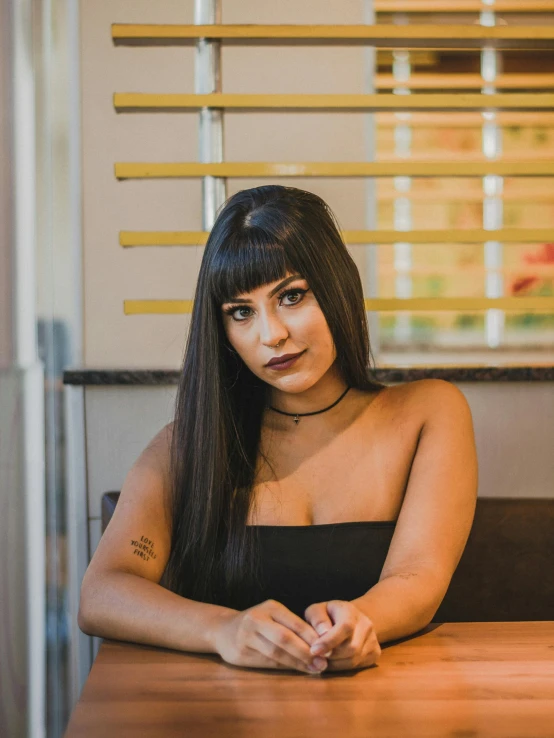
273, 291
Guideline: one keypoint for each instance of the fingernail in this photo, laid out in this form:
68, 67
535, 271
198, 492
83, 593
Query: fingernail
319, 663
321, 629
318, 650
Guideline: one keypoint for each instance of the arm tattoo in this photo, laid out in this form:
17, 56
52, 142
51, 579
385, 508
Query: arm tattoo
143, 548
406, 575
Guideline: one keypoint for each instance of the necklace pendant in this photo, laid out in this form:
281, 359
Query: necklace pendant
296, 419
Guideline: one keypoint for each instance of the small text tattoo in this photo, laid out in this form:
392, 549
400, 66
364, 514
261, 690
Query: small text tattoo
143, 548
407, 574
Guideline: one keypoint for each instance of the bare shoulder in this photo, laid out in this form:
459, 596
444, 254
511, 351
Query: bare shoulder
157, 452
429, 398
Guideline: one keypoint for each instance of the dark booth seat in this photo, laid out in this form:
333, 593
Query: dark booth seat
506, 571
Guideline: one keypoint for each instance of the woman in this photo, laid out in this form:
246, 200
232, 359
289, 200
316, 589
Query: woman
293, 515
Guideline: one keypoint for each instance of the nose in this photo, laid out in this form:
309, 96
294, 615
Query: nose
272, 330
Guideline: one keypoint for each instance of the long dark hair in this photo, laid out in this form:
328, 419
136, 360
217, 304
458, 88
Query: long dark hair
259, 235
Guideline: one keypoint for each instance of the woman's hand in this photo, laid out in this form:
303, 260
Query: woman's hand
348, 632
269, 636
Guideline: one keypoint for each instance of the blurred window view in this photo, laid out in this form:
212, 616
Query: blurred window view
451, 269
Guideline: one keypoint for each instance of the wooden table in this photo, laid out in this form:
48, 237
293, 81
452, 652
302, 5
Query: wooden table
451, 679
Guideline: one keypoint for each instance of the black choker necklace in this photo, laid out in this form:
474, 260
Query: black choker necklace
297, 416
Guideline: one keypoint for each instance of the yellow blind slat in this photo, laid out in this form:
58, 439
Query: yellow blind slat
382, 35
145, 170
451, 236
134, 101
452, 81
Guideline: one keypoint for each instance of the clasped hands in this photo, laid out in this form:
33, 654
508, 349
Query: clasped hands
335, 636
346, 635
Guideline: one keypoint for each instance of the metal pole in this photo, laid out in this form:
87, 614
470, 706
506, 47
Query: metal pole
401, 69
371, 281
491, 60
208, 80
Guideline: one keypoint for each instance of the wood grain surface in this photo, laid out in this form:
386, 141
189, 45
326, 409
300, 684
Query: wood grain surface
451, 679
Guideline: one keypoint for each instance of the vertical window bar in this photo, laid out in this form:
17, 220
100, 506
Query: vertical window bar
208, 80
371, 286
491, 61
401, 70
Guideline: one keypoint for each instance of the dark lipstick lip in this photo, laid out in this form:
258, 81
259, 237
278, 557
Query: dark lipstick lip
282, 359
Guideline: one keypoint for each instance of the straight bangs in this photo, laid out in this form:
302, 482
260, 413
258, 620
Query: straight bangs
247, 261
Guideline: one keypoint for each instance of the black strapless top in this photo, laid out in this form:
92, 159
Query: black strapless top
303, 564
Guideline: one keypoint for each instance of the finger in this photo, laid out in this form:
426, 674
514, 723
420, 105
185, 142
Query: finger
285, 638
358, 643
339, 633
341, 614
318, 617
282, 615
278, 656
339, 652
255, 657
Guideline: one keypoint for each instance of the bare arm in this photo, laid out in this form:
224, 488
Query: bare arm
127, 607
399, 605
121, 596
435, 519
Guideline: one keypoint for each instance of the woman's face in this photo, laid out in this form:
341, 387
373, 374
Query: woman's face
286, 313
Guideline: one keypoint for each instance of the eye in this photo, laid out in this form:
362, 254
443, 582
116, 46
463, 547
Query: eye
296, 291
232, 309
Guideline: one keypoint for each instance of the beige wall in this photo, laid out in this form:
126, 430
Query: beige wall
113, 274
